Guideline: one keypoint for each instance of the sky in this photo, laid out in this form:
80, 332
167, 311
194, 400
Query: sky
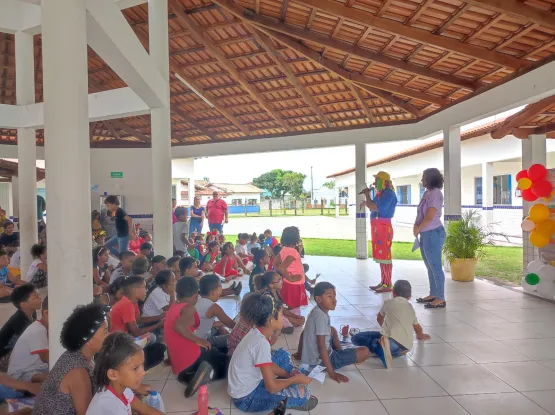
325, 161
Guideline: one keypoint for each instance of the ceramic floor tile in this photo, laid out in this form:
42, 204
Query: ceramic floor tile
160, 372
424, 406
524, 376
509, 331
545, 399
432, 319
344, 311
174, 400
375, 363
526, 314
361, 407
235, 411
355, 390
499, 404
459, 333
490, 352
411, 382
437, 354
537, 349
466, 379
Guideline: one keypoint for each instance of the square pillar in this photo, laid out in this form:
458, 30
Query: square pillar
15, 198
67, 154
452, 173
360, 183
26, 149
161, 132
487, 193
191, 191
533, 152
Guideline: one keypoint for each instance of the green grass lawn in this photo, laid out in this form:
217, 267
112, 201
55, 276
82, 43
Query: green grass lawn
499, 262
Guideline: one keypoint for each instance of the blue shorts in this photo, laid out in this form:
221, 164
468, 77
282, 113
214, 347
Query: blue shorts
342, 358
216, 227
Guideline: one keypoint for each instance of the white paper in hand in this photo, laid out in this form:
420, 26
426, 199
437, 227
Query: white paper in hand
416, 244
318, 374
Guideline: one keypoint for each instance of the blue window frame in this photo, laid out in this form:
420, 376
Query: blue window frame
478, 190
502, 193
403, 195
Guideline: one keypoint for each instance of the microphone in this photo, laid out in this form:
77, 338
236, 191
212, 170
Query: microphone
362, 191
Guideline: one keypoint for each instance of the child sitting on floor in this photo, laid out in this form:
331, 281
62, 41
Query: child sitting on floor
253, 243
139, 268
269, 240
308, 283
173, 265
8, 280
258, 380
118, 370
193, 359
162, 295
189, 268
29, 358
158, 264
207, 309
319, 342
212, 257
126, 264
261, 261
398, 320
227, 267
270, 283
126, 317
37, 274
241, 248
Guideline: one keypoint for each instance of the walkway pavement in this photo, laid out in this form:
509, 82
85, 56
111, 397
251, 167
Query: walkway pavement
492, 351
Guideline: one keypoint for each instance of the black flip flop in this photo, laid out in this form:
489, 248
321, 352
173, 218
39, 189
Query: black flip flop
202, 376
430, 305
422, 300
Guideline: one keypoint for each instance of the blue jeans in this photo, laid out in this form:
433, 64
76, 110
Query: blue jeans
371, 339
121, 242
195, 227
431, 247
216, 227
261, 400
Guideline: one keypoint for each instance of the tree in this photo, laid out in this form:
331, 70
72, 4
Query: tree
293, 183
272, 182
330, 184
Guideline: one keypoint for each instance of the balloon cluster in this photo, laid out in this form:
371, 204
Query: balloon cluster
539, 278
539, 224
533, 183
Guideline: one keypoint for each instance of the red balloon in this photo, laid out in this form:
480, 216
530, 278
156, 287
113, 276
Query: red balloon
536, 172
521, 175
542, 188
528, 195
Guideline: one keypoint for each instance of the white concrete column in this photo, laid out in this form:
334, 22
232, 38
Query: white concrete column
487, 193
533, 152
452, 173
161, 132
191, 190
26, 149
67, 155
360, 183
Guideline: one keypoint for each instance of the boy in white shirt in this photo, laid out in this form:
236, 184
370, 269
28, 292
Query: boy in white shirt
30, 356
398, 320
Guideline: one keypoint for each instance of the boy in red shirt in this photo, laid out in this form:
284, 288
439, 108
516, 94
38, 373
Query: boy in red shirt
126, 317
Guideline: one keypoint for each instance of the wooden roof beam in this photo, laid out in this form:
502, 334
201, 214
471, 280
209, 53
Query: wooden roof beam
268, 43
520, 118
200, 36
130, 130
111, 129
419, 35
344, 47
192, 121
362, 102
517, 9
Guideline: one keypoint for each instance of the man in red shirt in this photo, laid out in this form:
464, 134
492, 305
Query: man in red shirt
217, 213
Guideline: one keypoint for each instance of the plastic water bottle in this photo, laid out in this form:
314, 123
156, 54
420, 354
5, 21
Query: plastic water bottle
155, 401
203, 400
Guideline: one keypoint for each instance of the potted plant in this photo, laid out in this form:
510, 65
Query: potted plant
465, 243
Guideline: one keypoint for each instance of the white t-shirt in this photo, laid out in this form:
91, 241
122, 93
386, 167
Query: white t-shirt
155, 303
252, 352
25, 354
205, 328
112, 261
15, 262
106, 402
241, 249
33, 268
399, 320
180, 228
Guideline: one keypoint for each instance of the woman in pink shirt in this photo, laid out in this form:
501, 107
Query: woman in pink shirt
432, 236
289, 265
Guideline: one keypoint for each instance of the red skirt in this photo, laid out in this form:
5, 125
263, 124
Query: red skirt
293, 295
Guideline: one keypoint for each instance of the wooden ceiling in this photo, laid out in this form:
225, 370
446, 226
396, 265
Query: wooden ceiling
283, 67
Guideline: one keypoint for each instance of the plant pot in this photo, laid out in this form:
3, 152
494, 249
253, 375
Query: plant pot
463, 269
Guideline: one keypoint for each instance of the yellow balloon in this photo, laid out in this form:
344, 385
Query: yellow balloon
538, 239
546, 227
525, 183
539, 212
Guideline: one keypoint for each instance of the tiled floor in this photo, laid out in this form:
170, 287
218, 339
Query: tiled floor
492, 351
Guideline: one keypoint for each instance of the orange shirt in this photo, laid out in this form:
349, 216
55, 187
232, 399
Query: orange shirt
122, 313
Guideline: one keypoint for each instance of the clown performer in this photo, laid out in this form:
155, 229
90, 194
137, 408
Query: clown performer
382, 209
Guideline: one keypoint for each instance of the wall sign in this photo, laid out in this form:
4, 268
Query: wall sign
116, 175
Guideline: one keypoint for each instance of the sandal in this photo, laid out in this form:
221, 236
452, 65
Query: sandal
423, 300
430, 305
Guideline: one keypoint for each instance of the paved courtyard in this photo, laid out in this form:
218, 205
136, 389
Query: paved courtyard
492, 352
